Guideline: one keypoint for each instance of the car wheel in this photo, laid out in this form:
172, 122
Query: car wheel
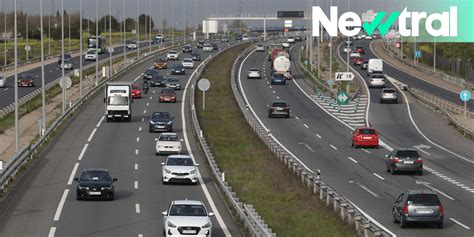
78, 198
107, 119
150, 130
394, 216
403, 223
387, 169
392, 171
381, 101
419, 173
269, 115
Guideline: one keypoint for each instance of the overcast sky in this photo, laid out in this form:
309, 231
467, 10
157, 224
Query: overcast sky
187, 7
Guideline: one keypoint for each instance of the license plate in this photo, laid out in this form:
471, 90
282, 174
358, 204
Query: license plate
189, 232
366, 138
424, 211
408, 162
160, 126
94, 193
279, 109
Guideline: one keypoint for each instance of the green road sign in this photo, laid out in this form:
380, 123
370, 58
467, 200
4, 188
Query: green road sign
342, 98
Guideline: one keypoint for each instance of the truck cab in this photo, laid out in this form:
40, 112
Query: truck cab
118, 101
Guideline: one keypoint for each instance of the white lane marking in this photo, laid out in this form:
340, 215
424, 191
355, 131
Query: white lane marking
136, 166
83, 151
144, 111
461, 224
305, 125
151, 97
100, 122
352, 159
192, 86
368, 190
136, 151
139, 129
138, 139
52, 231
137, 208
92, 135
371, 219
73, 173
136, 78
143, 119
436, 190
188, 147
154, 92
333, 147
267, 81
135, 185
297, 117
270, 87
378, 176
319, 136
278, 97
366, 151
147, 104
309, 147
57, 215
273, 92
140, 235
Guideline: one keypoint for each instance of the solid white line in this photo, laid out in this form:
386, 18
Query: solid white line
138, 139
461, 224
73, 173
366, 151
143, 119
333, 147
83, 151
151, 97
135, 185
305, 125
368, 190
52, 231
371, 219
191, 153
378, 176
139, 129
319, 136
92, 135
352, 159
135, 166
136, 78
100, 122
136, 151
270, 87
137, 208
61, 205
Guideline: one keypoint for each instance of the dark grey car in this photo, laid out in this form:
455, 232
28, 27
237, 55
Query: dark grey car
421, 205
404, 159
161, 122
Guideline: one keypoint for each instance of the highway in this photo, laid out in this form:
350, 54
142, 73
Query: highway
321, 142
53, 72
43, 203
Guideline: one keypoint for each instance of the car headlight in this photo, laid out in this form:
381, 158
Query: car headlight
171, 225
151, 122
169, 123
207, 225
192, 172
167, 171
106, 188
85, 188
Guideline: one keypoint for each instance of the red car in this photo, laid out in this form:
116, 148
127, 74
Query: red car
365, 137
136, 91
360, 50
358, 61
167, 95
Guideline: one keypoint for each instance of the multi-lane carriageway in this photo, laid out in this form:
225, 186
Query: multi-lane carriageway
322, 142
43, 203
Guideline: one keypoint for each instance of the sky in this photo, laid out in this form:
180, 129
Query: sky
189, 10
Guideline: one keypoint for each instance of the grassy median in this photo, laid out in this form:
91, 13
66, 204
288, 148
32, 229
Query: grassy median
254, 173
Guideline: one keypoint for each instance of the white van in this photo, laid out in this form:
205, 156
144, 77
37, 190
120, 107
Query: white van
375, 64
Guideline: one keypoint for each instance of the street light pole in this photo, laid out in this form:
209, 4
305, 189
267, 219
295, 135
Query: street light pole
43, 91
26, 22
184, 23
80, 49
149, 22
62, 59
124, 36
96, 44
15, 33
110, 39
172, 23
319, 45
4, 32
330, 51
138, 29
161, 24
69, 21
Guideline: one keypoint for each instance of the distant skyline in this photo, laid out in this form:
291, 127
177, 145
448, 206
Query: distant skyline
213, 6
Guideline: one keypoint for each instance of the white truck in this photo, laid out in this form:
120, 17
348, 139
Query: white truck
118, 101
375, 64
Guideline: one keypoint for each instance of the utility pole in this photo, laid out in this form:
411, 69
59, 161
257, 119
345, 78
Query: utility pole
26, 22
110, 39
348, 39
138, 29
15, 35
149, 23
161, 23
184, 24
4, 32
319, 45
80, 49
43, 89
330, 51
434, 55
96, 44
124, 36
172, 23
62, 59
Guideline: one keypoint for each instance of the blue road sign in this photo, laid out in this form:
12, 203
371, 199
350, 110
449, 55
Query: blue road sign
330, 82
465, 95
418, 53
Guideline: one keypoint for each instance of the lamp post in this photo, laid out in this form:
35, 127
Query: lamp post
43, 91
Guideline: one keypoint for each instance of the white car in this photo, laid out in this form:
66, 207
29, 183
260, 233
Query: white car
187, 217
347, 49
260, 48
245, 38
90, 55
188, 63
291, 40
376, 80
172, 55
67, 64
285, 44
354, 55
132, 45
207, 47
179, 168
3, 81
168, 143
254, 73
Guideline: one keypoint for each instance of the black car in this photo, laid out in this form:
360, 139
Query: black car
298, 38
200, 44
278, 79
161, 121
150, 73
238, 37
157, 81
214, 45
66, 57
178, 69
95, 183
156, 41
224, 39
196, 57
187, 49
364, 65
422, 206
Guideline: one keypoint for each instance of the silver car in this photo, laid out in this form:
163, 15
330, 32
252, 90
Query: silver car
168, 143
376, 80
187, 217
254, 73
260, 48
422, 206
172, 82
3, 81
179, 168
388, 95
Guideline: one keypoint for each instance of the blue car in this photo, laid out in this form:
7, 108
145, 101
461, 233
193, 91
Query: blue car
278, 79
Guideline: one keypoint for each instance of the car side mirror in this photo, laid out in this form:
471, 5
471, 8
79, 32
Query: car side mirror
386, 156
115, 179
181, 140
164, 213
156, 139
368, 75
76, 179
211, 214
162, 164
196, 165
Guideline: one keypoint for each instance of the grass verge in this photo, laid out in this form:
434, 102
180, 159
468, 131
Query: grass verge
252, 170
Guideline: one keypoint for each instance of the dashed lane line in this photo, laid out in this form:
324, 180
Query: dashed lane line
461, 224
81, 155
378, 176
52, 231
73, 173
57, 215
100, 122
137, 208
352, 159
92, 135
333, 147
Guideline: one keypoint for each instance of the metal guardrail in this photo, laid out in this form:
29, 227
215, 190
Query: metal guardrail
364, 225
9, 172
245, 212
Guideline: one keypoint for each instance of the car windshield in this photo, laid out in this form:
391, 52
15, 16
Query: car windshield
172, 52
424, 199
254, 70
118, 100
26, 77
187, 210
278, 76
135, 87
169, 138
377, 76
172, 80
188, 60
279, 104
167, 91
390, 91
179, 161
178, 66
95, 175
91, 51
160, 116
366, 131
408, 153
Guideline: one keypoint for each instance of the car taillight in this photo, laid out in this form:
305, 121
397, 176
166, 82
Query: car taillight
419, 160
405, 209
441, 210
395, 160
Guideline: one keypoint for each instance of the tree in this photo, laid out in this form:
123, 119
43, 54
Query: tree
144, 21
105, 20
130, 24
